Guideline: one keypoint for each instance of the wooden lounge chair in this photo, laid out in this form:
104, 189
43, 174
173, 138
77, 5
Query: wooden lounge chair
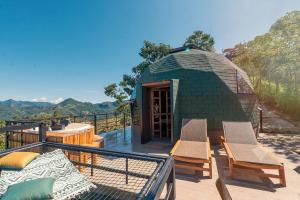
244, 151
192, 150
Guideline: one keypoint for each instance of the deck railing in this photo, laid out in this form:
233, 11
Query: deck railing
20, 126
105, 122
132, 166
102, 122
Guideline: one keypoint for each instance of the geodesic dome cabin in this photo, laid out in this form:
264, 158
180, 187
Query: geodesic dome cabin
190, 83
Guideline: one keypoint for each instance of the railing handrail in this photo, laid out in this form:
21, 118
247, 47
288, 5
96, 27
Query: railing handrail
19, 127
68, 116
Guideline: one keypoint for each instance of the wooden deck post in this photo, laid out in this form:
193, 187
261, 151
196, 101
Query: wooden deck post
210, 168
282, 176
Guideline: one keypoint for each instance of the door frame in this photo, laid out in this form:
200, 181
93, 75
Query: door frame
147, 87
167, 115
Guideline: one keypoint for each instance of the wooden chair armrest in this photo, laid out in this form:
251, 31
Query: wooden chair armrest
227, 149
209, 149
175, 147
222, 139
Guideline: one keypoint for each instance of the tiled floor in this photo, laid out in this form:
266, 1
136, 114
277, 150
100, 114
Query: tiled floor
188, 185
192, 186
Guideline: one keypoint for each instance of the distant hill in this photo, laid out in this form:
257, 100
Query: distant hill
13, 103
12, 109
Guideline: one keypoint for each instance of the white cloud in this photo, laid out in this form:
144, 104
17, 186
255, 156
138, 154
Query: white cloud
58, 100
45, 99
42, 99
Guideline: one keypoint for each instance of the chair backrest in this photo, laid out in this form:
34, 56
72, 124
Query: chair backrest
239, 132
194, 130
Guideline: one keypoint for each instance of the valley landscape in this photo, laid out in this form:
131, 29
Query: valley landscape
20, 110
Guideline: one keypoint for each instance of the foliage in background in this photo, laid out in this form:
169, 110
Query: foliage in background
200, 40
2, 123
150, 53
272, 61
2, 136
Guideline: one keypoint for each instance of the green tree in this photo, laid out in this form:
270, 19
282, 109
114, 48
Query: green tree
200, 40
118, 93
272, 61
151, 52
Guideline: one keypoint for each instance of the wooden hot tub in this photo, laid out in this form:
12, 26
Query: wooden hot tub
74, 133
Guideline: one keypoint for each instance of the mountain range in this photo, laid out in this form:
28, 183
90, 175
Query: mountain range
16, 110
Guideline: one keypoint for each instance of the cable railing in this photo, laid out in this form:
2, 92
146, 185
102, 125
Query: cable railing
102, 122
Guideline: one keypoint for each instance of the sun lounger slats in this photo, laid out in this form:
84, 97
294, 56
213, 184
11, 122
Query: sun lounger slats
243, 150
192, 151
239, 132
194, 130
252, 154
187, 149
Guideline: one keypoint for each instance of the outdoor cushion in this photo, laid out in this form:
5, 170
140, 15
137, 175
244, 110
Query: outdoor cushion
41, 188
252, 154
69, 182
17, 160
239, 132
191, 149
194, 130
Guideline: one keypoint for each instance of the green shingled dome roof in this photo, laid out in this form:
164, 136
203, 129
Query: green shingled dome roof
201, 61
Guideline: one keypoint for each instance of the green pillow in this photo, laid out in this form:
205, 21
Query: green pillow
36, 189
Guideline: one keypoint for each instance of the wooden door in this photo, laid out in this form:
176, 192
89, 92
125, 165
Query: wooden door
161, 113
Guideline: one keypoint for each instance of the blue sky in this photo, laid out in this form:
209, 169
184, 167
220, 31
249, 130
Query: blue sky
54, 49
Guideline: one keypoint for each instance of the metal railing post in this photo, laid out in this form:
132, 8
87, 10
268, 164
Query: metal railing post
22, 142
106, 121
126, 170
116, 121
260, 120
95, 124
171, 185
124, 125
6, 136
42, 132
6, 140
92, 164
